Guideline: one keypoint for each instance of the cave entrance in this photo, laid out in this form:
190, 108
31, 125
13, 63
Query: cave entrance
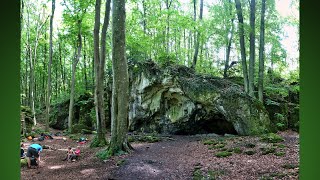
216, 123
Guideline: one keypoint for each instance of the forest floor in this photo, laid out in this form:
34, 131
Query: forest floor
174, 158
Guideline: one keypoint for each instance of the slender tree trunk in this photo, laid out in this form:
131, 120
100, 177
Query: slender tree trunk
252, 47
242, 45
196, 49
74, 66
49, 70
226, 66
99, 65
228, 50
120, 89
85, 63
102, 70
31, 86
261, 52
96, 64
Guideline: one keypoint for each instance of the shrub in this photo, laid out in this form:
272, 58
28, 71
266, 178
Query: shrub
250, 152
271, 138
223, 154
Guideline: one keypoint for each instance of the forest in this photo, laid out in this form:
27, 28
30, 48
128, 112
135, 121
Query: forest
173, 89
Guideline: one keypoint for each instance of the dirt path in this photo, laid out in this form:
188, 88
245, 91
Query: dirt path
184, 157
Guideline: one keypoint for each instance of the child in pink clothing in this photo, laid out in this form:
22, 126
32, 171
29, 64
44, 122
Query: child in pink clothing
76, 154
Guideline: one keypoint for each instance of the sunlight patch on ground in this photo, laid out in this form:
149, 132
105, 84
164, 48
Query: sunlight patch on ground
87, 171
56, 167
146, 168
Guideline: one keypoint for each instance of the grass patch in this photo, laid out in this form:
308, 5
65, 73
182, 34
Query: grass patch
250, 145
267, 150
280, 153
209, 142
212, 175
281, 146
250, 152
223, 154
290, 166
237, 150
271, 138
144, 138
121, 162
197, 173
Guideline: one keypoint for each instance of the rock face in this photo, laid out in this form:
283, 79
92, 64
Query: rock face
175, 100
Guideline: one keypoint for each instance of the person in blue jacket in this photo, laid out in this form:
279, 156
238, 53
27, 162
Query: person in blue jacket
34, 151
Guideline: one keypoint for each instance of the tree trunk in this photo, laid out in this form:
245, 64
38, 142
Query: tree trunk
102, 70
49, 70
242, 45
196, 49
99, 64
226, 66
85, 63
120, 89
252, 47
261, 52
74, 66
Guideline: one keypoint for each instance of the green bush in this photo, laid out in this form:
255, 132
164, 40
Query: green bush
250, 152
237, 150
250, 145
209, 142
271, 138
223, 154
267, 150
280, 153
289, 166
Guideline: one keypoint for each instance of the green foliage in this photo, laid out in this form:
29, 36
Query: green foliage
223, 154
250, 145
103, 154
97, 143
250, 152
267, 150
271, 138
121, 162
237, 150
280, 153
144, 138
290, 166
78, 128
209, 142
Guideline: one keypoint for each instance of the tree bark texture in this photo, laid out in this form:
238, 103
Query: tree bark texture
252, 47
242, 45
49, 70
120, 88
261, 52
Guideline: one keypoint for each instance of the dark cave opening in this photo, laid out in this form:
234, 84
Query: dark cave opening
214, 124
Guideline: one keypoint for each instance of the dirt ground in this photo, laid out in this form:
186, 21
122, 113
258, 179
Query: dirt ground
180, 157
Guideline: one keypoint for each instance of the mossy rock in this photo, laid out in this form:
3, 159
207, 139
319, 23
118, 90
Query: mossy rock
271, 138
223, 154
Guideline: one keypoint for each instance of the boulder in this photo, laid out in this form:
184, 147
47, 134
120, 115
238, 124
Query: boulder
176, 100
